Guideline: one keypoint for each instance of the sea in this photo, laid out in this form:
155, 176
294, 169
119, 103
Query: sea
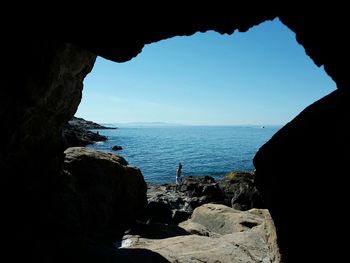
202, 150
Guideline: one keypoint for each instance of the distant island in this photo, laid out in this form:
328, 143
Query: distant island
149, 124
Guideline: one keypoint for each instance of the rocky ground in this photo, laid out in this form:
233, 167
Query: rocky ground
205, 221
167, 204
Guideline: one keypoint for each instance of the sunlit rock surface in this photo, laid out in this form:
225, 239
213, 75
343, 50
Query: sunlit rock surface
220, 234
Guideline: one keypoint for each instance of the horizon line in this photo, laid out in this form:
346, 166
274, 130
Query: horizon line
189, 124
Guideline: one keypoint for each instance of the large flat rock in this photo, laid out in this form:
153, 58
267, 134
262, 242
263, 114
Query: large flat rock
222, 234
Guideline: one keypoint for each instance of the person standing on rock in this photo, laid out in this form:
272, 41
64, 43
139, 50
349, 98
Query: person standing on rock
178, 177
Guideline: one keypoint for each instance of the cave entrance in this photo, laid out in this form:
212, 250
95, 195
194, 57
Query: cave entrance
208, 100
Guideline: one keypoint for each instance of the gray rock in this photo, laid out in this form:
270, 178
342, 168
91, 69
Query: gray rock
240, 191
224, 237
168, 205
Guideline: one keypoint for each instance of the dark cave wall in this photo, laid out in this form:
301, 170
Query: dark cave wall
122, 43
323, 36
322, 33
301, 172
41, 89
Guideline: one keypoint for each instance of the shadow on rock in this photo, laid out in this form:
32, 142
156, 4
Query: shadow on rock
157, 230
103, 254
168, 205
240, 191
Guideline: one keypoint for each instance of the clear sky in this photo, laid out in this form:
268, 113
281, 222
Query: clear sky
260, 77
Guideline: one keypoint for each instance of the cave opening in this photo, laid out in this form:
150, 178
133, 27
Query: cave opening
300, 170
207, 100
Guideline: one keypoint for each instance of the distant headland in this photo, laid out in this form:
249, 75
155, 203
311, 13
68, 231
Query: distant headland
77, 132
80, 122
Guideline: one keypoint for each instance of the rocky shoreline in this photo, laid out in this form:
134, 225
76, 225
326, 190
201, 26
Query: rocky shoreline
77, 132
87, 125
205, 220
166, 204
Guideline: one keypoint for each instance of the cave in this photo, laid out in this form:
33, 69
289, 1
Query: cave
297, 170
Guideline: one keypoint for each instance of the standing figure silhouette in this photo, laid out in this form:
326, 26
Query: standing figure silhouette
178, 177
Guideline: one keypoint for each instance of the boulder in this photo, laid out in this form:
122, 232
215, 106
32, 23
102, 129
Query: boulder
198, 186
110, 193
229, 236
240, 191
303, 168
221, 220
117, 148
167, 205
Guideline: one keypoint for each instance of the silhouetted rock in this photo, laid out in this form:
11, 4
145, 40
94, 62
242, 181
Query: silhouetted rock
81, 123
299, 172
159, 210
111, 194
78, 136
77, 132
117, 148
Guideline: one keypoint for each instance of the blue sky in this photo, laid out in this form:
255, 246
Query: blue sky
260, 77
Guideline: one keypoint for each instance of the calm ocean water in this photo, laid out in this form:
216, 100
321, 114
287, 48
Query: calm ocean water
202, 150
